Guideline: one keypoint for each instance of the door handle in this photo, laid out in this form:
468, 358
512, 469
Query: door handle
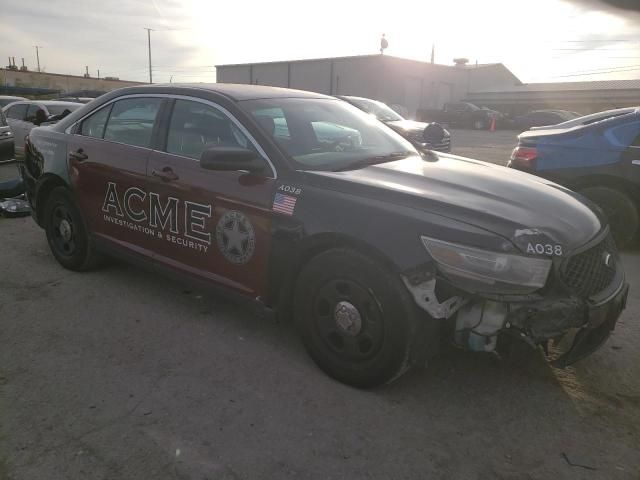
166, 174
78, 155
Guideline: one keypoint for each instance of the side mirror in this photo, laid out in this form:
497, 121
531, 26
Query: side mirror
231, 159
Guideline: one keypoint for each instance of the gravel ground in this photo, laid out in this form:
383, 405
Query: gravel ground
122, 374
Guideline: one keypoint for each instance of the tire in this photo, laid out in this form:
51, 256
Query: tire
66, 232
478, 124
369, 348
620, 210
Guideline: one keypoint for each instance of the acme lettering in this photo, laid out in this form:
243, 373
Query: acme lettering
136, 206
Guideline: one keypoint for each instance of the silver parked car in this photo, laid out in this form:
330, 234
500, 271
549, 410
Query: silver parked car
22, 116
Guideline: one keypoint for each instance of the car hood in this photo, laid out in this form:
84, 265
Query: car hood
525, 209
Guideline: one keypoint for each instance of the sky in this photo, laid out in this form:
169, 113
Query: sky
548, 40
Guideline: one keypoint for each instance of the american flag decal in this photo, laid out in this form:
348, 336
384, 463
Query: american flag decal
284, 204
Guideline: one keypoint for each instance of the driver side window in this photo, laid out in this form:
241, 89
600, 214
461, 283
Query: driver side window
195, 127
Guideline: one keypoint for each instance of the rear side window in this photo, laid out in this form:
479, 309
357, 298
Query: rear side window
17, 112
31, 113
93, 126
131, 121
194, 127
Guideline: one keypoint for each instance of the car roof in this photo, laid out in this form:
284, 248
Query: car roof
55, 102
233, 91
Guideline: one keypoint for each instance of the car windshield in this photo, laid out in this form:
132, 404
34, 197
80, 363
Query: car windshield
381, 111
327, 134
58, 109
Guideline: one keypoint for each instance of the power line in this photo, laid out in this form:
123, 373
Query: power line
595, 73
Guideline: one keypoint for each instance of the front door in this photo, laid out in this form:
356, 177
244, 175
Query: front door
214, 224
108, 158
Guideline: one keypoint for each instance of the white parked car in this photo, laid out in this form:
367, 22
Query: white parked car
22, 116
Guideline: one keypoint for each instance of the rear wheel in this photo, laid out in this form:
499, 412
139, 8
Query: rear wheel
478, 124
66, 232
355, 318
621, 212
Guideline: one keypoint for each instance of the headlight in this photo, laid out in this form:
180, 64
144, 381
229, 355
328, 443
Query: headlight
487, 271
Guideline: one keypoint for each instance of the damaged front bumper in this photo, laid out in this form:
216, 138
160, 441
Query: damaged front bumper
576, 327
600, 321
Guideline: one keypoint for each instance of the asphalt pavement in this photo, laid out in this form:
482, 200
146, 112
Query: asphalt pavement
121, 374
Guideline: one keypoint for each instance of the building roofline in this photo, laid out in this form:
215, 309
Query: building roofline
69, 75
347, 57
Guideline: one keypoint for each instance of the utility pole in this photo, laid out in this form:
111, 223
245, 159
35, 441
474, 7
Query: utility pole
149, 30
38, 55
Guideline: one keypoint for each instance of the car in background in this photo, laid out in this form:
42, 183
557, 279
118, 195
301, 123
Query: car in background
76, 99
22, 116
6, 139
598, 157
588, 119
425, 136
7, 99
539, 118
463, 115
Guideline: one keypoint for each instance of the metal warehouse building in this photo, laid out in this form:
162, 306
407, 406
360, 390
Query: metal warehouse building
410, 84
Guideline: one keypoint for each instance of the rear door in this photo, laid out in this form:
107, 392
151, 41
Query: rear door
213, 224
108, 157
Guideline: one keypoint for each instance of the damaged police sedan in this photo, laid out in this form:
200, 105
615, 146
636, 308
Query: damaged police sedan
311, 208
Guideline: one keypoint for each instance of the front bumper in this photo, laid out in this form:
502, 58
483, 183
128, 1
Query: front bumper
600, 321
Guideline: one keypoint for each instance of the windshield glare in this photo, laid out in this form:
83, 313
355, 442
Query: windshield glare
381, 111
326, 134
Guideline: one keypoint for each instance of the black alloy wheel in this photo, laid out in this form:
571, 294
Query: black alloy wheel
356, 318
66, 232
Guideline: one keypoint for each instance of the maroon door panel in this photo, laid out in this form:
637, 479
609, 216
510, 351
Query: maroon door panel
109, 181
213, 224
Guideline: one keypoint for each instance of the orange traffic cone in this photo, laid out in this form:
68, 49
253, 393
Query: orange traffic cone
493, 125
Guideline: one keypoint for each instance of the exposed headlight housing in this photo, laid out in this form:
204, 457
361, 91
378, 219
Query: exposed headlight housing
486, 271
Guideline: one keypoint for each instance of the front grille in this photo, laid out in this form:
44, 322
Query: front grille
588, 273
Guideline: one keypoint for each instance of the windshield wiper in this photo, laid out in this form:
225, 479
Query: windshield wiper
365, 162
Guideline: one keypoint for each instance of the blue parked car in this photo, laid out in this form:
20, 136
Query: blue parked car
597, 155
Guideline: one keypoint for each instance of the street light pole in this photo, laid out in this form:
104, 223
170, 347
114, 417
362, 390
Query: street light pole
38, 55
149, 45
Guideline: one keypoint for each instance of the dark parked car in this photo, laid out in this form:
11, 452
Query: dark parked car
425, 136
6, 140
462, 115
598, 156
22, 116
541, 118
376, 251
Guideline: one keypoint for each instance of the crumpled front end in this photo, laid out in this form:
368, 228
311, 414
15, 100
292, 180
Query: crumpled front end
575, 311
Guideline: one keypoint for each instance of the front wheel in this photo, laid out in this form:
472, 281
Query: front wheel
66, 232
620, 209
356, 319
